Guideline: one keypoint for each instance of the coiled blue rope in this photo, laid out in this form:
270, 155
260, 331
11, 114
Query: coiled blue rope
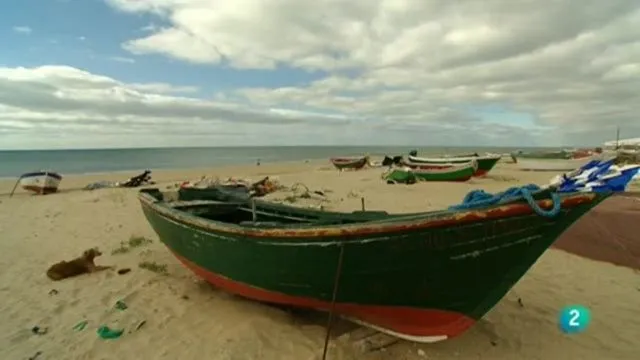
480, 198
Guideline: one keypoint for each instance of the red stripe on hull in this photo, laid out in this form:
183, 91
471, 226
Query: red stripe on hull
480, 172
40, 189
412, 322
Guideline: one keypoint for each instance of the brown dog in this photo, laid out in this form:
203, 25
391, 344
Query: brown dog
81, 265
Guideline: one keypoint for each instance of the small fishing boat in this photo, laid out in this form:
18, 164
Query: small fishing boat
558, 165
427, 166
353, 163
557, 155
485, 162
424, 277
41, 182
457, 172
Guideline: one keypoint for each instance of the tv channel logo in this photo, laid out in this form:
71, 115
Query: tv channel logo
574, 319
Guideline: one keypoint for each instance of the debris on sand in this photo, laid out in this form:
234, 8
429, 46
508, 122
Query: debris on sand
142, 179
259, 188
106, 333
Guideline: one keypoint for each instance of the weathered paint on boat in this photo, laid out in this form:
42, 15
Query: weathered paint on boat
485, 163
349, 163
423, 277
462, 172
41, 182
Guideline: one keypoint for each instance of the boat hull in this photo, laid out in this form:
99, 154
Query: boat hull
41, 182
484, 163
403, 320
548, 155
450, 173
425, 279
349, 163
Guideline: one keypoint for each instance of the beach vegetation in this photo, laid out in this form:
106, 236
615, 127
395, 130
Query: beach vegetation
154, 267
133, 242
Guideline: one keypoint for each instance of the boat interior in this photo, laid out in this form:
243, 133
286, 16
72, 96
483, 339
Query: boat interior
257, 213
212, 204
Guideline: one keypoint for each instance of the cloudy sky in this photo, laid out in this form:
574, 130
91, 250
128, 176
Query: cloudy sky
126, 73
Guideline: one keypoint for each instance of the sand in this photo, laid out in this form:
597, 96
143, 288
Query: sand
188, 319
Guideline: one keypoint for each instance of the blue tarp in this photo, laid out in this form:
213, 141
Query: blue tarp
595, 176
598, 176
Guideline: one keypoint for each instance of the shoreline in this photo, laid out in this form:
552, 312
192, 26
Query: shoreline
376, 157
75, 162
309, 146
139, 170
163, 176
173, 169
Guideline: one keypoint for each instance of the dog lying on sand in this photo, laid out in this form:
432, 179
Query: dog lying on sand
81, 265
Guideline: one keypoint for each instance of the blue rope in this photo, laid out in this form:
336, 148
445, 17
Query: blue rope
480, 198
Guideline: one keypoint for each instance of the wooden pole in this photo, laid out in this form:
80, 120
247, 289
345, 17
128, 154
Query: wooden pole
254, 216
362, 203
15, 186
336, 285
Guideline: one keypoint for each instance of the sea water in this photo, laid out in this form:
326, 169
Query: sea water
16, 162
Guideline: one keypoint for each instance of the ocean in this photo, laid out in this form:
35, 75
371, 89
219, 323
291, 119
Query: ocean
13, 163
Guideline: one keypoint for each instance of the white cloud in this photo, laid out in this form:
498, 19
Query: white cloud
163, 88
574, 66
396, 70
23, 29
89, 108
166, 41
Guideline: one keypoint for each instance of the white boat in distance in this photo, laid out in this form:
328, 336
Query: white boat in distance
41, 182
553, 164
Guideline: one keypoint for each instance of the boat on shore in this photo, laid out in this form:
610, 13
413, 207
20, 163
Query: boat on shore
353, 163
40, 182
564, 154
451, 172
558, 165
556, 155
424, 277
484, 162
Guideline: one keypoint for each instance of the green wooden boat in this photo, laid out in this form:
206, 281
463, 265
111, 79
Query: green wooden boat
424, 277
485, 162
461, 172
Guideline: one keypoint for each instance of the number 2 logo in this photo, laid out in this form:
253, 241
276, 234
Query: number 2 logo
575, 315
574, 319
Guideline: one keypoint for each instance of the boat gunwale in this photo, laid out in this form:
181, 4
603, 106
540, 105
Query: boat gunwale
471, 165
410, 222
449, 160
348, 158
33, 174
354, 162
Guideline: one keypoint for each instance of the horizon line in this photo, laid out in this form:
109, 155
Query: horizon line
309, 146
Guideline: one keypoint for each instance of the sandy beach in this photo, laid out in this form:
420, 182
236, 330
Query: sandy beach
184, 318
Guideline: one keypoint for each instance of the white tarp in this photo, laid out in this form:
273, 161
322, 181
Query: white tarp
623, 142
